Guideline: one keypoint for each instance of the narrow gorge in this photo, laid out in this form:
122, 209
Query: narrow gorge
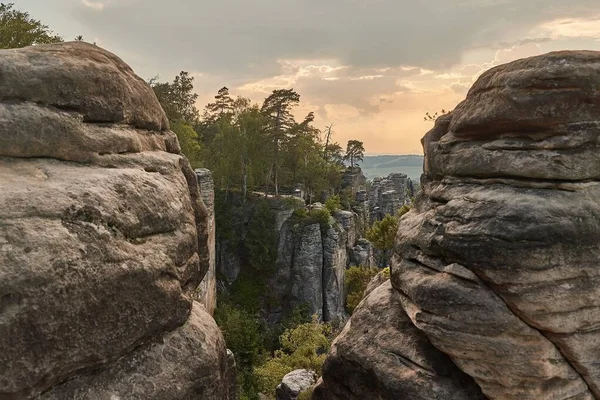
117, 257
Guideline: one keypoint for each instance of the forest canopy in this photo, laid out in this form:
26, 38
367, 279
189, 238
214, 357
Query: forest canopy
250, 146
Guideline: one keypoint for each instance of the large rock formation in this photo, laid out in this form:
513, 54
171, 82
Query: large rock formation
310, 254
207, 291
103, 237
497, 263
381, 355
388, 195
312, 257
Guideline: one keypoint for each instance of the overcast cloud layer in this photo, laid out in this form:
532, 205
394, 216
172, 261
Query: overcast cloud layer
373, 67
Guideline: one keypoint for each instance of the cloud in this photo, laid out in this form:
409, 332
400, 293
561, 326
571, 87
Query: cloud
379, 64
234, 37
94, 5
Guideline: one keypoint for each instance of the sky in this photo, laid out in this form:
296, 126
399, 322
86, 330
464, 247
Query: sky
373, 68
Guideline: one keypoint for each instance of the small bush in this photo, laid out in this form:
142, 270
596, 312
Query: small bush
306, 395
300, 213
357, 279
320, 216
333, 204
386, 272
304, 347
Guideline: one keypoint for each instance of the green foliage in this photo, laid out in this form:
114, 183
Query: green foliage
19, 29
333, 204
177, 98
302, 347
301, 213
320, 216
357, 279
403, 210
386, 272
248, 147
242, 333
247, 290
306, 395
383, 233
355, 152
347, 200
189, 142
261, 238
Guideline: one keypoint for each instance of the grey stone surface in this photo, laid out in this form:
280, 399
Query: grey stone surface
188, 363
294, 383
307, 270
381, 355
496, 265
103, 235
501, 249
207, 291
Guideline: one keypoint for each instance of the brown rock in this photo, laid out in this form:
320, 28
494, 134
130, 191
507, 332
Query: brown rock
381, 355
88, 80
185, 363
498, 261
103, 235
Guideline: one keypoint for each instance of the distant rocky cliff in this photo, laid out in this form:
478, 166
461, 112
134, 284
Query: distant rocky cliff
494, 290
103, 238
310, 254
207, 291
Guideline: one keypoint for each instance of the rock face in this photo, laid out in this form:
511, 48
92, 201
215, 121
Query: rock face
388, 195
294, 383
381, 355
311, 262
497, 263
207, 291
103, 237
310, 258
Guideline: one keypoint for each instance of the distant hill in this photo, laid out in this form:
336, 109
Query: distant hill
374, 166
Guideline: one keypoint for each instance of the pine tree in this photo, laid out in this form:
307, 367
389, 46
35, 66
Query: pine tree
277, 109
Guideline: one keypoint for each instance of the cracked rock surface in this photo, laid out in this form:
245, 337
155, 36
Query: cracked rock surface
497, 265
103, 235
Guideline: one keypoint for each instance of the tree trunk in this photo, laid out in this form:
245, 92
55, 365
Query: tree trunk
245, 180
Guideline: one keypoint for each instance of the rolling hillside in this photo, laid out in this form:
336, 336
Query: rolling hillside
374, 166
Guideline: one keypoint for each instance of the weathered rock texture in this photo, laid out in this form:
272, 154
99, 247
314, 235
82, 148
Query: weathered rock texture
381, 355
388, 195
103, 237
497, 263
311, 262
294, 383
207, 291
310, 256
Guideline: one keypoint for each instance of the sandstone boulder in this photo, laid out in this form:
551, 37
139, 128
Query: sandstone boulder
103, 235
381, 355
496, 265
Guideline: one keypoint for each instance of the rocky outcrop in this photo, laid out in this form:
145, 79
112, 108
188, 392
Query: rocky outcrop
294, 383
311, 264
497, 263
103, 237
353, 179
388, 195
207, 291
311, 253
380, 354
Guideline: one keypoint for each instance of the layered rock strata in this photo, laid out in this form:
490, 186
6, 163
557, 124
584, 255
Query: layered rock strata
103, 237
497, 263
